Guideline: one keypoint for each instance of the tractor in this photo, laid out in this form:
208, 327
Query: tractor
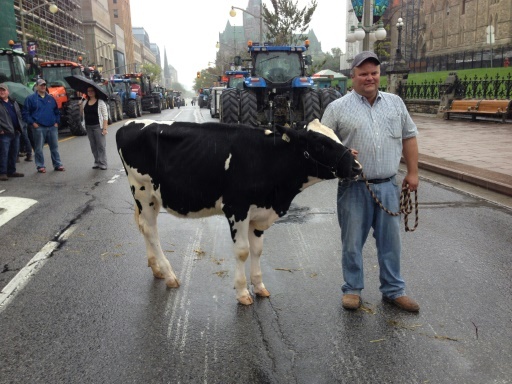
13, 72
54, 72
141, 85
234, 80
278, 91
161, 93
129, 99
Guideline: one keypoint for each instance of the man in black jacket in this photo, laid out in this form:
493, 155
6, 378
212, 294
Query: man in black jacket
11, 125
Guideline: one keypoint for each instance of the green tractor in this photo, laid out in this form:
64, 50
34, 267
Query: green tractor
13, 72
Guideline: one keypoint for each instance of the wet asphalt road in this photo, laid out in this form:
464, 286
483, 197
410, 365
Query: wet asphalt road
94, 313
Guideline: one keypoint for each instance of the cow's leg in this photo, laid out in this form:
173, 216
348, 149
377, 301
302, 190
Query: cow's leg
147, 208
256, 247
241, 248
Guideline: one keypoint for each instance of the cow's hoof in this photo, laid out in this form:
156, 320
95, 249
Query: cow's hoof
263, 293
172, 283
245, 300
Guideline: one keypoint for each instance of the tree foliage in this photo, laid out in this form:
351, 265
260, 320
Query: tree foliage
153, 71
287, 23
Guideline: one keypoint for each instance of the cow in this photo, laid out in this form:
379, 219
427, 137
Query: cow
249, 174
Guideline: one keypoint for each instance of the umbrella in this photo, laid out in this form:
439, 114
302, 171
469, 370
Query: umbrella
81, 83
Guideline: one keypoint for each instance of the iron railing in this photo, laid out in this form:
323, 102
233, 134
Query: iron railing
498, 87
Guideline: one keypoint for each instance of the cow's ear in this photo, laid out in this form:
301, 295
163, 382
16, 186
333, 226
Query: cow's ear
288, 134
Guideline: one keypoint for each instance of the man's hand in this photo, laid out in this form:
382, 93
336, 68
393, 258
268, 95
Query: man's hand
411, 182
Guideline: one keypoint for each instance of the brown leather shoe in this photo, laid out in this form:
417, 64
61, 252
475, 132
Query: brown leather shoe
350, 301
3, 177
403, 302
16, 174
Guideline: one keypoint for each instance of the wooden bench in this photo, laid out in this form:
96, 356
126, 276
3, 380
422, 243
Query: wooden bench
499, 108
474, 108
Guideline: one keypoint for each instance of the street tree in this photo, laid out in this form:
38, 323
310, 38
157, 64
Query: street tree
153, 71
287, 23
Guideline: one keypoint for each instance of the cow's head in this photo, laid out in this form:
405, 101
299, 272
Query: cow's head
324, 151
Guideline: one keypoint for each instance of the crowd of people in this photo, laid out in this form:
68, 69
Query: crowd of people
24, 131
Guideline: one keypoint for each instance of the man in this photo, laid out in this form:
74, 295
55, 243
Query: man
379, 129
42, 114
11, 125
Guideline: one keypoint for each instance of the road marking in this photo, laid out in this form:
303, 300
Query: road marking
113, 179
33, 266
11, 207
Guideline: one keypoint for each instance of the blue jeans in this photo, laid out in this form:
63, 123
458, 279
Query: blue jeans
357, 214
50, 135
9, 147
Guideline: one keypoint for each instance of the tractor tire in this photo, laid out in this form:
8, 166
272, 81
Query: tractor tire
248, 108
74, 120
119, 110
132, 109
311, 106
113, 111
327, 96
139, 109
229, 106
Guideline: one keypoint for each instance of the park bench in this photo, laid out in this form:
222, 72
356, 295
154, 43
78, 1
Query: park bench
474, 108
499, 108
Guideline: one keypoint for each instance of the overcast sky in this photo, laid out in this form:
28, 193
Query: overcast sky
189, 29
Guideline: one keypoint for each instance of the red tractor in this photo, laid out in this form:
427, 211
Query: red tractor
54, 72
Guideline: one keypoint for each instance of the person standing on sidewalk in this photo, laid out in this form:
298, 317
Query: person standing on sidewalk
11, 125
95, 114
42, 114
379, 129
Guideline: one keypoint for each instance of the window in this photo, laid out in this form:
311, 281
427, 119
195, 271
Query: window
115, 14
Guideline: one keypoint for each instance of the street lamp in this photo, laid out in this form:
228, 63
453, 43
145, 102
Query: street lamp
366, 31
232, 13
52, 8
399, 26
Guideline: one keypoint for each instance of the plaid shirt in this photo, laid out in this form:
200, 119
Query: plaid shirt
376, 132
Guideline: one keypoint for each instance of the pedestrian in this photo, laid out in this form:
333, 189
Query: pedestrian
378, 128
42, 114
11, 126
25, 144
95, 113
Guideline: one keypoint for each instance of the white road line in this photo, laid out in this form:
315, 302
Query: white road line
113, 179
11, 207
33, 266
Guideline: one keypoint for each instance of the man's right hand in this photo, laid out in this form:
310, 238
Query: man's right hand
35, 125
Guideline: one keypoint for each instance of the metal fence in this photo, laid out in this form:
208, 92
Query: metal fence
498, 87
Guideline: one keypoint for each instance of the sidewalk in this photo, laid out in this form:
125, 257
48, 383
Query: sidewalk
477, 152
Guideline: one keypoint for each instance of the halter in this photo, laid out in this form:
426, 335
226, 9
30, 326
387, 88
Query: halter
334, 169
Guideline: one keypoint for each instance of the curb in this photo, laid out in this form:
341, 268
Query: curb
490, 180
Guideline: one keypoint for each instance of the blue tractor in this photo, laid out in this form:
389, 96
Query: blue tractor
278, 90
131, 102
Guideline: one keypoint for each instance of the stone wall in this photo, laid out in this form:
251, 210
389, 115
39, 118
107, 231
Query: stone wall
422, 106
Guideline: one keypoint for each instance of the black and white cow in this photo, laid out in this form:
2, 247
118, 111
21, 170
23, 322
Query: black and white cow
251, 175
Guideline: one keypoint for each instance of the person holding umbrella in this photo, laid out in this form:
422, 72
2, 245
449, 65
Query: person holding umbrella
94, 110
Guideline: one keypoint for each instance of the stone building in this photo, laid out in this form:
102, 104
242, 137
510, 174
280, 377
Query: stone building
462, 25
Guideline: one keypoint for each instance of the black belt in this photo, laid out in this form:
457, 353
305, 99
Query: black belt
378, 181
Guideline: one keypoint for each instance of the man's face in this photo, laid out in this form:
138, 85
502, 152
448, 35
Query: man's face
4, 94
366, 79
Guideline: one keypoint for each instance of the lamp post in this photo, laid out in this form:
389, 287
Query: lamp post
399, 26
232, 13
52, 8
366, 31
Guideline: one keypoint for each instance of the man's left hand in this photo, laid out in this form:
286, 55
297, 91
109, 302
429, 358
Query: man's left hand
412, 181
